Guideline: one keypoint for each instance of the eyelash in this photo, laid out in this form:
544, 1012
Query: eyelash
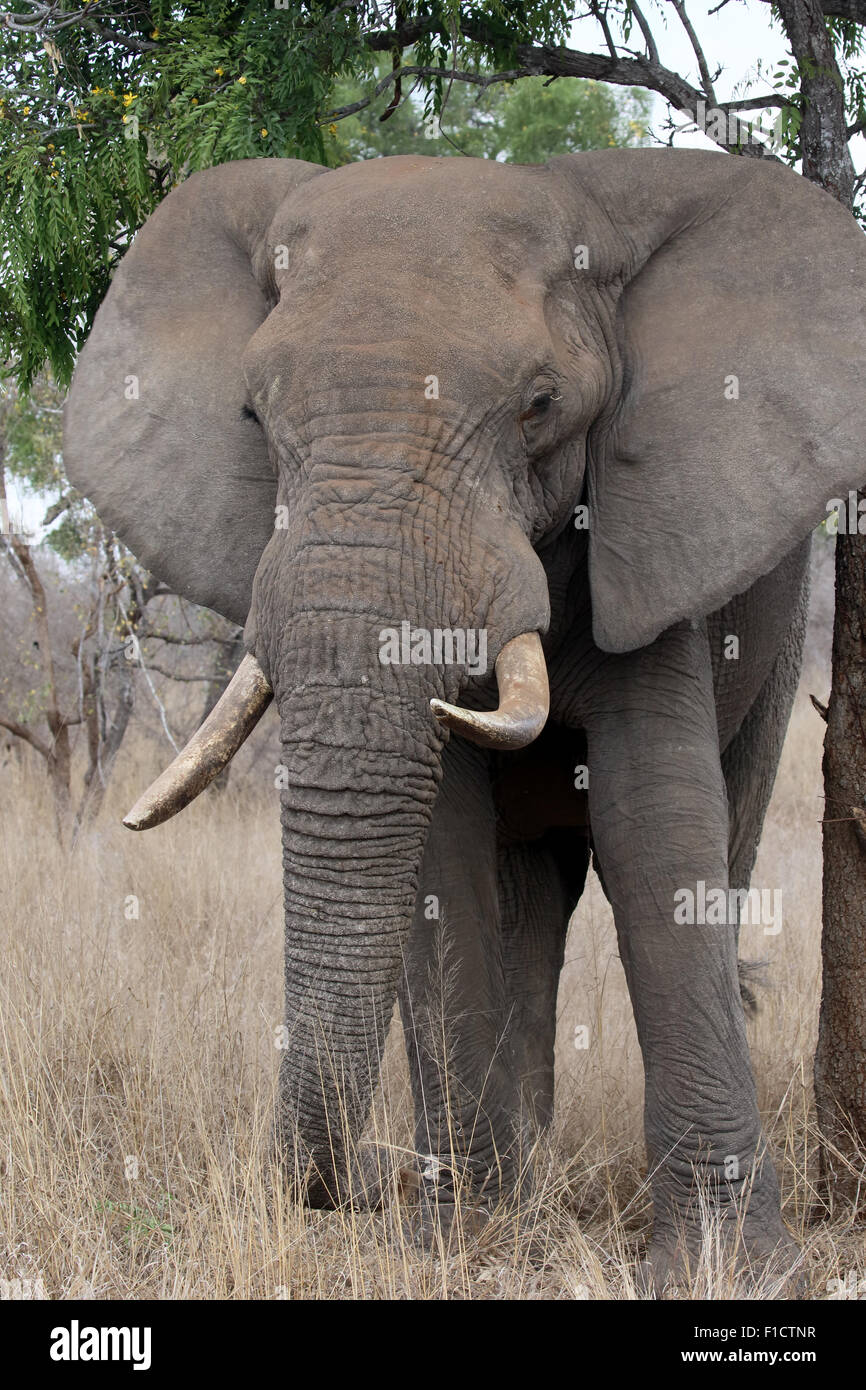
539, 405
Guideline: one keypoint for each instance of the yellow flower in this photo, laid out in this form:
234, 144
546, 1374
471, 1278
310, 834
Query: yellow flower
219, 71
242, 81
128, 98
194, 101
333, 127
94, 91
26, 110
264, 132
155, 34
49, 147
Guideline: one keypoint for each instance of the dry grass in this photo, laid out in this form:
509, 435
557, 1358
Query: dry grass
137, 1061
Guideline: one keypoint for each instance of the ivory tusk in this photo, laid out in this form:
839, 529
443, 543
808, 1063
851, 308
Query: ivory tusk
211, 748
524, 699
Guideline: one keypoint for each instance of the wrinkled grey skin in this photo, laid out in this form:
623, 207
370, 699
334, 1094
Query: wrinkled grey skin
282, 324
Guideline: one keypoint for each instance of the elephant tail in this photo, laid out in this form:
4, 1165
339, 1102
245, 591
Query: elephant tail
753, 977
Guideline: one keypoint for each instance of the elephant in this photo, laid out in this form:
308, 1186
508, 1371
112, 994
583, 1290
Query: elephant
493, 462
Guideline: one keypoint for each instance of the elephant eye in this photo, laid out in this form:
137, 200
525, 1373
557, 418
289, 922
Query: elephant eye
540, 404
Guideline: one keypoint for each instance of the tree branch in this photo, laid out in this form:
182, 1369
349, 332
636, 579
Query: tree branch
840, 9
643, 25
21, 731
174, 675
605, 28
184, 641
414, 70
755, 103
679, 6
845, 9
60, 506
111, 35
48, 20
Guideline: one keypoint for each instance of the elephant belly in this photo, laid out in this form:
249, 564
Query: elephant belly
542, 787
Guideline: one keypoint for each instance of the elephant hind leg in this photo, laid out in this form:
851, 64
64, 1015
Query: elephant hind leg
540, 882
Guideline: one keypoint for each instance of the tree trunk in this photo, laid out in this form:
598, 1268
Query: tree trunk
59, 764
840, 1061
103, 751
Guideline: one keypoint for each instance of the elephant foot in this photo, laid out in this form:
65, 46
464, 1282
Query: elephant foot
722, 1265
442, 1217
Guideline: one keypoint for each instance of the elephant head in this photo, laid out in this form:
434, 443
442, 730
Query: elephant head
334, 403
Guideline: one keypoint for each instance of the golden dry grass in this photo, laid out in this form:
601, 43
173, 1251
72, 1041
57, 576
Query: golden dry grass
138, 1060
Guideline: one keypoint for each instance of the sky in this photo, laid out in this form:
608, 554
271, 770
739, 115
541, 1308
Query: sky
741, 38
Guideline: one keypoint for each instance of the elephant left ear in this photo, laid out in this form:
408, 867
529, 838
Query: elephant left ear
741, 330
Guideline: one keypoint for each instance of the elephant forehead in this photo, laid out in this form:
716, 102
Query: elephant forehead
444, 210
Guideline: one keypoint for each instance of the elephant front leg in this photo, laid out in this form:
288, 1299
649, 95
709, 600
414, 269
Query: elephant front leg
660, 828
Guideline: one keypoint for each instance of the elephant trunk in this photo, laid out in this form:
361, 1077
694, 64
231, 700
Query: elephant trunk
362, 754
355, 812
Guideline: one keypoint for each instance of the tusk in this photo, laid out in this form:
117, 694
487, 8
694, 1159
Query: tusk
524, 699
232, 719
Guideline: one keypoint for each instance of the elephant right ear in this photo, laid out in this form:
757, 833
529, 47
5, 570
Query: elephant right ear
157, 430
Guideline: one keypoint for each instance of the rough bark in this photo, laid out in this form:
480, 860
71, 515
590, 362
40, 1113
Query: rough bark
840, 1061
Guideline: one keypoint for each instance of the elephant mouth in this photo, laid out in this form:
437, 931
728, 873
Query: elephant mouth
524, 703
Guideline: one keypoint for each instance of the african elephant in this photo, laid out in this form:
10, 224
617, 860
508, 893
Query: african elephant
584, 414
